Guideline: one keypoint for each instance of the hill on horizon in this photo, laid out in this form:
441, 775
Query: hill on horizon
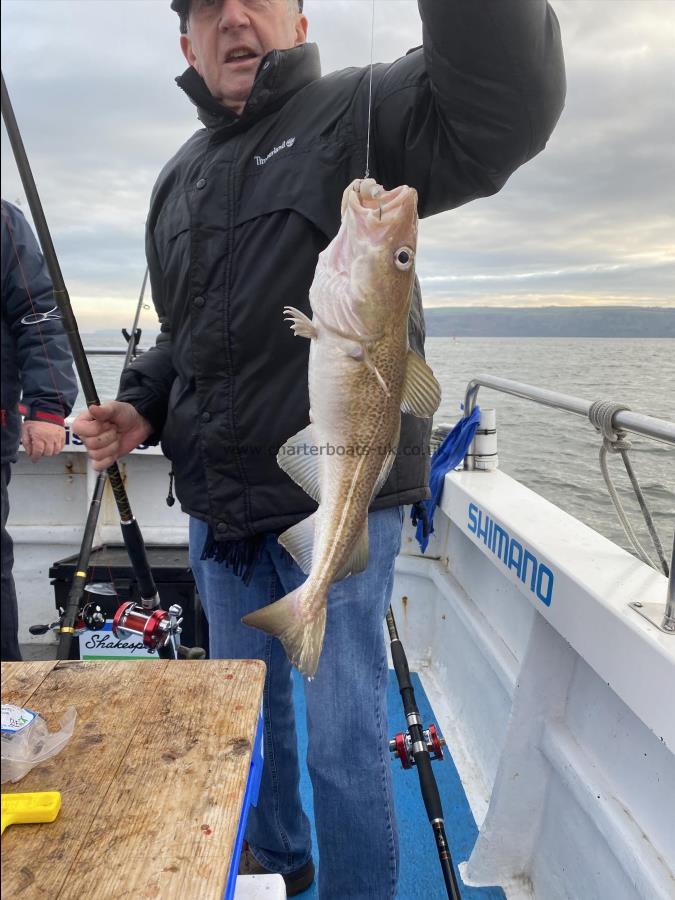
508, 321
551, 321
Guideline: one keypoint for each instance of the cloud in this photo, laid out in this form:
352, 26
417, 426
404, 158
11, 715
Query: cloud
590, 220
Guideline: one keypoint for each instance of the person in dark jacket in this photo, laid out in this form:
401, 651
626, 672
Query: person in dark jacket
38, 381
237, 219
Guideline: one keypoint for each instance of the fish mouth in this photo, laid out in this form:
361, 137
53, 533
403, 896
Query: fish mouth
372, 219
373, 216
367, 196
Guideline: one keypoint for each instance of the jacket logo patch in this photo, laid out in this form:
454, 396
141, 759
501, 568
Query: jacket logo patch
284, 145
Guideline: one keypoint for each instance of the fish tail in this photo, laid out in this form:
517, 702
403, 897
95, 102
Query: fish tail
301, 636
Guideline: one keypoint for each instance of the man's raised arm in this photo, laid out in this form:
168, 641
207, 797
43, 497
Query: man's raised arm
457, 116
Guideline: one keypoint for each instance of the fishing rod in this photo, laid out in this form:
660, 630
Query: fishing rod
90, 615
416, 747
158, 628
128, 619
134, 337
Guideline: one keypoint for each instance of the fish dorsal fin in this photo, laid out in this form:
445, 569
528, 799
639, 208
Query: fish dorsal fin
384, 472
358, 561
421, 391
299, 541
296, 459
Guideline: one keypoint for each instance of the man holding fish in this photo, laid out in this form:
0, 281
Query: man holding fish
296, 448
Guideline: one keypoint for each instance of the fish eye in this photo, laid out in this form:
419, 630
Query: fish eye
403, 258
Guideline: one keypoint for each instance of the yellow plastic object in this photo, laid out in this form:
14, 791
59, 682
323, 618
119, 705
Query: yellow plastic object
25, 809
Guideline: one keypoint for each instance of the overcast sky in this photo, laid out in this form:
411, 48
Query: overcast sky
591, 220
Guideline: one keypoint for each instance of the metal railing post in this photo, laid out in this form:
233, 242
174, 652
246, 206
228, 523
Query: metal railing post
470, 400
668, 623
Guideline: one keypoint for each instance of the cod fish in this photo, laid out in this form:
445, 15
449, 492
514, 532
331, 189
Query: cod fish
362, 374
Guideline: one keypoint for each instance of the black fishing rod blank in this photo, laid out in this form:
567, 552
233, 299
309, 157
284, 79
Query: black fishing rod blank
416, 747
131, 532
71, 611
135, 336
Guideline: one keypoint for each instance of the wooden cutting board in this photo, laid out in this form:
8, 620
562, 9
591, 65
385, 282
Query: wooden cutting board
152, 781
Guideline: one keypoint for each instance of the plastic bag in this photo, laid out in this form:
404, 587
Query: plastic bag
27, 740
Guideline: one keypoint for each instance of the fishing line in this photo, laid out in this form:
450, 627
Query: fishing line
370, 87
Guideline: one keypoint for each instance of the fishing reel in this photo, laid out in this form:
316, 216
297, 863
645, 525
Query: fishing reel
156, 626
92, 616
401, 746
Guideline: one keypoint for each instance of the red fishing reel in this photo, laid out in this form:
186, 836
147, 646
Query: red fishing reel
401, 746
156, 626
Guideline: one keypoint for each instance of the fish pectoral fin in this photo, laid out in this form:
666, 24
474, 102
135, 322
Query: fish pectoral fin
373, 368
301, 325
302, 637
421, 391
297, 459
358, 350
358, 561
299, 541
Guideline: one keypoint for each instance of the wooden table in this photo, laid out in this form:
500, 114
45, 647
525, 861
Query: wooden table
152, 781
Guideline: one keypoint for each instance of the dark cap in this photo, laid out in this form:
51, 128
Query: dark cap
182, 7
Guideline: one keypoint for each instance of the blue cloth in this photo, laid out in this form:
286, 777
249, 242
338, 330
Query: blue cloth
348, 754
446, 458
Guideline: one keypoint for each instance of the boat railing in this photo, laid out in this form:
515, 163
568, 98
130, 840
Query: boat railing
111, 351
623, 420
618, 420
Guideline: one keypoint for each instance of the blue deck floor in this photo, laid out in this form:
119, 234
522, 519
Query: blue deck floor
420, 871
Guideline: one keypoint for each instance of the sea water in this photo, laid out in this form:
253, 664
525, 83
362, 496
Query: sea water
554, 453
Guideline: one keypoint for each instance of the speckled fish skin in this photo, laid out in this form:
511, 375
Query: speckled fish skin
359, 371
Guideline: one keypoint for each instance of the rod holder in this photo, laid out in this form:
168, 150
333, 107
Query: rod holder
668, 623
653, 610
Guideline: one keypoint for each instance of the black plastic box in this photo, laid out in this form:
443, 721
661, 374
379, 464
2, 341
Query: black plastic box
110, 564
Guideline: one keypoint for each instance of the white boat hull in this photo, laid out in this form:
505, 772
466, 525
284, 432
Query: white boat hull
560, 717
556, 698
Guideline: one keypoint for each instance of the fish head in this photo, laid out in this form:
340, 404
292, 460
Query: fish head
372, 258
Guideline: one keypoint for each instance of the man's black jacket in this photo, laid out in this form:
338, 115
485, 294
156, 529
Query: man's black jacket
240, 214
37, 366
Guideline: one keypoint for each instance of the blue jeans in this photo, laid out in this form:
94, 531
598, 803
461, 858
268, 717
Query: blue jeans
348, 755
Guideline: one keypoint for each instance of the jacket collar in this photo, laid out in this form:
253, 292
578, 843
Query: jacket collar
281, 73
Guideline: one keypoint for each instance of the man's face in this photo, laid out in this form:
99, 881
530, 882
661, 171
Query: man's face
226, 40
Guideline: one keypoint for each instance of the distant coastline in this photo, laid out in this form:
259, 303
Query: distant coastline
552, 321
506, 321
